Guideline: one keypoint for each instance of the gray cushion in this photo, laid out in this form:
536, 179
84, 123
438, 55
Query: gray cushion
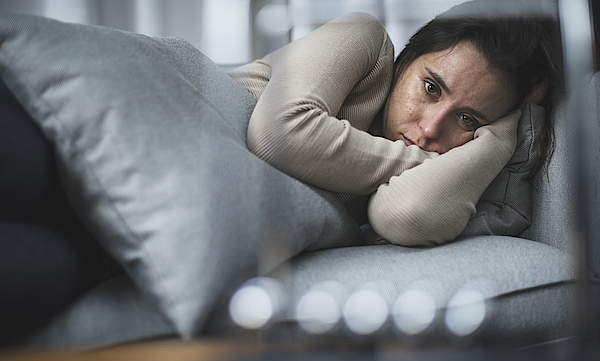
496, 266
554, 203
112, 312
505, 207
554, 221
505, 263
150, 140
520, 319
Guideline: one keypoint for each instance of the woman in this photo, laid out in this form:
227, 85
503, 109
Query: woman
425, 135
334, 112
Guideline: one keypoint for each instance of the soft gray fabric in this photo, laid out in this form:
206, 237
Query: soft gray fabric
150, 140
553, 216
539, 314
528, 286
502, 264
494, 265
506, 205
529, 317
117, 312
553, 221
593, 163
526, 313
113, 312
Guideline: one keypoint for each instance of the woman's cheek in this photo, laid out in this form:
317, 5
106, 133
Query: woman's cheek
403, 112
463, 138
413, 106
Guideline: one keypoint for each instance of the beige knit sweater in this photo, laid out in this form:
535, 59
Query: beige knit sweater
318, 96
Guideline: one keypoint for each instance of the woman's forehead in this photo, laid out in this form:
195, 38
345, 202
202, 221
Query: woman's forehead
462, 57
466, 77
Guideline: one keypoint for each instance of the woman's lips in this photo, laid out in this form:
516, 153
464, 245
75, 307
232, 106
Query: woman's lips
407, 141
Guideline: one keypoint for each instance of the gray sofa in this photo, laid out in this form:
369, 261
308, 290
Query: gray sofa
532, 299
191, 217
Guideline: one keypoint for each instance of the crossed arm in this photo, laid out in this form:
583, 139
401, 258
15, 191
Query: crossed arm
319, 95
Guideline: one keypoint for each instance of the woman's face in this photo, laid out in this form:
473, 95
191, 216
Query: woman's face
443, 97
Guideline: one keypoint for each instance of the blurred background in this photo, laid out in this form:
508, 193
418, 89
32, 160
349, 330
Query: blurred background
233, 32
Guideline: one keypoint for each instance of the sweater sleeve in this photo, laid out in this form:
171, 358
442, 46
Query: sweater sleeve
432, 203
346, 64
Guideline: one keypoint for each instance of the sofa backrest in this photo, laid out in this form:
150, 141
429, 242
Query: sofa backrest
554, 200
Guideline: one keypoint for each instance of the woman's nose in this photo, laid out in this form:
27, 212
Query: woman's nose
432, 124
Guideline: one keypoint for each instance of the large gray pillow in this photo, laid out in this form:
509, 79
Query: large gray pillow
150, 137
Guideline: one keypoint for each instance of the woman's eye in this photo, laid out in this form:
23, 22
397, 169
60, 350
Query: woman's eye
431, 88
468, 121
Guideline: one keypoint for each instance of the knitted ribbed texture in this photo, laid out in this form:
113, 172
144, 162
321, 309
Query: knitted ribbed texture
432, 203
317, 98
341, 70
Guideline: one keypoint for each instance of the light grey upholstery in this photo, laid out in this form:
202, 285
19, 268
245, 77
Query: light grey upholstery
593, 138
554, 220
503, 264
497, 266
113, 312
554, 211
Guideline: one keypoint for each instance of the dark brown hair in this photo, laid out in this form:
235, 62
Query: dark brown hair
521, 48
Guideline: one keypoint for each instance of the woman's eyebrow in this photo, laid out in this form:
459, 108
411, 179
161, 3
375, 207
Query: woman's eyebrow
439, 80
478, 114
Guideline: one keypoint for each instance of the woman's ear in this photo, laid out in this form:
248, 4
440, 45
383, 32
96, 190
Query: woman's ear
539, 87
